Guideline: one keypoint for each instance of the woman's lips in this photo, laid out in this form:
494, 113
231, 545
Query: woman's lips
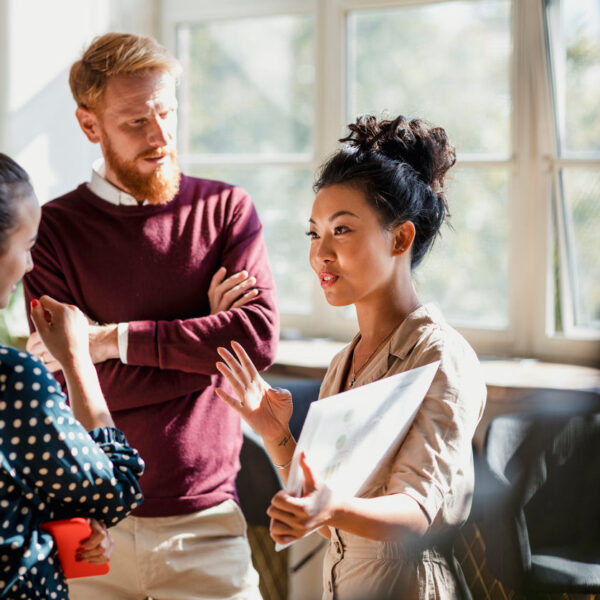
327, 279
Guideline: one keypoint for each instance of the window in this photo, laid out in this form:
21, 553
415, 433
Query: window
269, 86
247, 117
408, 70
574, 52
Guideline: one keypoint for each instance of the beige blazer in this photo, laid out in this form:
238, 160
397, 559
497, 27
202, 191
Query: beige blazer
433, 464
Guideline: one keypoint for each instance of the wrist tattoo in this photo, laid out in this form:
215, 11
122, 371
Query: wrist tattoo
285, 440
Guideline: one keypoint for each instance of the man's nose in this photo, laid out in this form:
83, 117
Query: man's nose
158, 134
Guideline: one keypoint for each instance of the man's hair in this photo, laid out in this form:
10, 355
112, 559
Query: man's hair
115, 54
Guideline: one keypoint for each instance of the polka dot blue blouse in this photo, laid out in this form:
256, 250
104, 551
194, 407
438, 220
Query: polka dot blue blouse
51, 468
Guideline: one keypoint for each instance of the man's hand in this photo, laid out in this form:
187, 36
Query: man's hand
233, 292
104, 342
36, 347
103, 345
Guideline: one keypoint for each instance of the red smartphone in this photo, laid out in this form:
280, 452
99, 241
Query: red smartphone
68, 535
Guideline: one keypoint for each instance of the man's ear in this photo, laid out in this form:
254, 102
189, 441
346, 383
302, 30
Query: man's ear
88, 121
404, 235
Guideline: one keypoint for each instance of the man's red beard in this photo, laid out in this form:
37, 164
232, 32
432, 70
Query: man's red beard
159, 187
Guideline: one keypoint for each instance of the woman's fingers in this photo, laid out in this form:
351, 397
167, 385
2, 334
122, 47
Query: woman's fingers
97, 555
286, 507
310, 483
240, 366
93, 541
244, 359
233, 381
98, 547
41, 324
50, 304
99, 532
233, 402
279, 527
284, 532
235, 367
277, 514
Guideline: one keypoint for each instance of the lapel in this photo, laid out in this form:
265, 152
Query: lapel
399, 346
335, 380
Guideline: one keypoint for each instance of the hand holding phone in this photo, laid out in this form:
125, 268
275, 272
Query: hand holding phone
68, 535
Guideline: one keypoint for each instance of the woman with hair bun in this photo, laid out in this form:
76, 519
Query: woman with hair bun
55, 463
378, 208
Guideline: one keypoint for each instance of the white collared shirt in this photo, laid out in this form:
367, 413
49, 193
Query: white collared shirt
104, 189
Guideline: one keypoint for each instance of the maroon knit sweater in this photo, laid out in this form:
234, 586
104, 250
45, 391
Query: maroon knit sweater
151, 266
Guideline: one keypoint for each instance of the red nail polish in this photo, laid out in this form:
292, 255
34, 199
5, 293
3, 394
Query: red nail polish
34, 303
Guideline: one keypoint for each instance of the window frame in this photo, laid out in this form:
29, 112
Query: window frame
534, 202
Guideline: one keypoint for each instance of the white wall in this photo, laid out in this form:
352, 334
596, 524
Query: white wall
39, 40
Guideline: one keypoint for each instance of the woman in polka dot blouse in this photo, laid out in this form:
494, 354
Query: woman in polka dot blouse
56, 463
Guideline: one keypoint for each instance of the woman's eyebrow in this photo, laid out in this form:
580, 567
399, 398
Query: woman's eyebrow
337, 214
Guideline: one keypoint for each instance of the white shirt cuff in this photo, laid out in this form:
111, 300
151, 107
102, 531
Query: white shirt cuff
122, 333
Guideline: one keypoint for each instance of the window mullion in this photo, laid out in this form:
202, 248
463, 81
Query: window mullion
329, 121
522, 285
566, 279
556, 55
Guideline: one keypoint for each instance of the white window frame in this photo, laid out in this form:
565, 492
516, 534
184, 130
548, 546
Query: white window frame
534, 165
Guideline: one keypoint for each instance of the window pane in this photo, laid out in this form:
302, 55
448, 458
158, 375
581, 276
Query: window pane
467, 271
283, 198
448, 63
575, 44
249, 85
582, 196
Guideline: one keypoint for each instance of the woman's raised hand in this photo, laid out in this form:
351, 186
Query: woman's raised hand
63, 329
64, 332
267, 410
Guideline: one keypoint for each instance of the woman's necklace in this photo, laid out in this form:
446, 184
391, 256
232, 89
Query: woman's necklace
357, 372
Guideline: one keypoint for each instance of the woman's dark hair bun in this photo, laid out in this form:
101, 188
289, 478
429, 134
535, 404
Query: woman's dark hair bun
424, 147
400, 166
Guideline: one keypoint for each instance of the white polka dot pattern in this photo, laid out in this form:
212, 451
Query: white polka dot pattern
51, 468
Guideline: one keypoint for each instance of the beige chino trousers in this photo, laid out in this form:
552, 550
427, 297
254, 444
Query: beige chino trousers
202, 555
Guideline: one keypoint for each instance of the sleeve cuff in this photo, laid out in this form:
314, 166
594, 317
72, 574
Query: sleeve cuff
108, 435
429, 499
143, 351
122, 334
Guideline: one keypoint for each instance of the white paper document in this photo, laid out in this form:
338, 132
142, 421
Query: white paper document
347, 436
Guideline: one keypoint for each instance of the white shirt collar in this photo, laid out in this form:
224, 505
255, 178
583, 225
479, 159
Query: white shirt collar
104, 189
